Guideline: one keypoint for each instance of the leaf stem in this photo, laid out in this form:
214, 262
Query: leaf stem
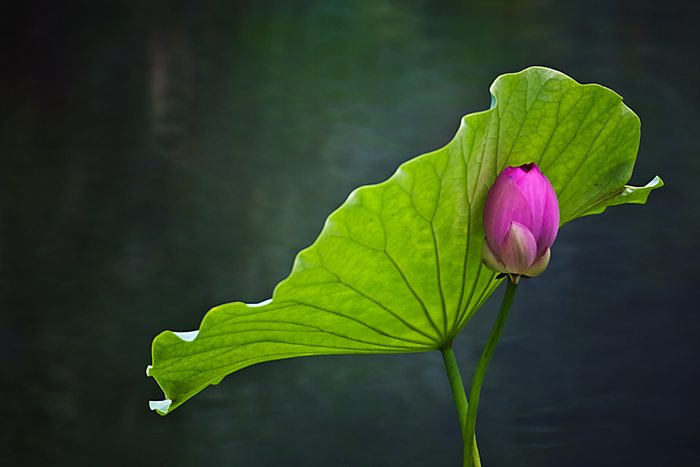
470, 422
460, 397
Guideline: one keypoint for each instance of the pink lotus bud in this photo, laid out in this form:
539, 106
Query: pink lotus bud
521, 220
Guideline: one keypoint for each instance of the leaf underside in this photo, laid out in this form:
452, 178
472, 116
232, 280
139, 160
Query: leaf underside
397, 268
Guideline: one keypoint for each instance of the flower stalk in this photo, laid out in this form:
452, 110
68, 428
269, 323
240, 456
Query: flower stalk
460, 398
470, 423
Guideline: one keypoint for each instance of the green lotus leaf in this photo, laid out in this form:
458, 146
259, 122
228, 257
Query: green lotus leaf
397, 267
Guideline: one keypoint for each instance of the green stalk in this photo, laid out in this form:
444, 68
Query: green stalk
470, 423
460, 397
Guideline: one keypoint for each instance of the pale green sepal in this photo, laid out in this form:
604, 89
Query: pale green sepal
540, 265
490, 259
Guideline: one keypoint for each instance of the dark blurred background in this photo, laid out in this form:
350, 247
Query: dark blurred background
159, 158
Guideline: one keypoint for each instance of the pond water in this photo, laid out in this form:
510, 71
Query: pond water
160, 158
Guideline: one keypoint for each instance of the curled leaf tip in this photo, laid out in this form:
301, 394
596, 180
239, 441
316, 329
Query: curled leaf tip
161, 407
188, 336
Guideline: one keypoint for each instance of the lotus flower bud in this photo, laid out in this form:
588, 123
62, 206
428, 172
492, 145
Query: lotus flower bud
521, 220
